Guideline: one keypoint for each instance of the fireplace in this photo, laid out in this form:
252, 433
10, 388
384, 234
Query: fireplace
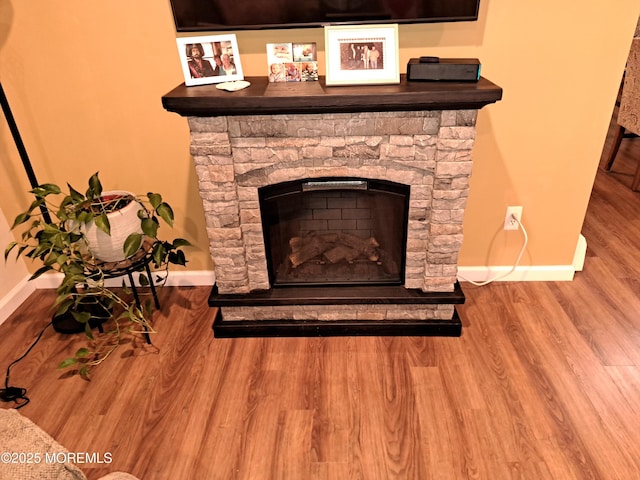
335, 231
334, 210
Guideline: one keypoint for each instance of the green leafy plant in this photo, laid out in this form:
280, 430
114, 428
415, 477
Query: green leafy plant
61, 244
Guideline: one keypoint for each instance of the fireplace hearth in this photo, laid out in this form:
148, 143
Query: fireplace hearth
334, 210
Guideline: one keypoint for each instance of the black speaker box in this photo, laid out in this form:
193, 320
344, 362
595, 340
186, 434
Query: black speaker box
451, 69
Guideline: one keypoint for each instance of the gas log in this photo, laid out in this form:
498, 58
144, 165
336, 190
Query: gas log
334, 247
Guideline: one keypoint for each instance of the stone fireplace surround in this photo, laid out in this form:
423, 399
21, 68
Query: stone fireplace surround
420, 134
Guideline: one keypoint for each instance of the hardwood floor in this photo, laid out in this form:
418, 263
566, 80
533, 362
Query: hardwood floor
543, 383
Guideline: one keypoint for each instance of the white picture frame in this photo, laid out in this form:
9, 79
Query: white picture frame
362, 54
219, 59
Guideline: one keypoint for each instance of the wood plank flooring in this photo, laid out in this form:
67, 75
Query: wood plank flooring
543, 383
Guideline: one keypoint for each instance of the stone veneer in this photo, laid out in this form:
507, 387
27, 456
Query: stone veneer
428, 150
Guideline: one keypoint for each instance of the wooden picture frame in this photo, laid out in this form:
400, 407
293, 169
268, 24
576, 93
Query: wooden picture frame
362, 54
209, 59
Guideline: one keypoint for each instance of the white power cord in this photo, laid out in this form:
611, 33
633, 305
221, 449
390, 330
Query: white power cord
515, 265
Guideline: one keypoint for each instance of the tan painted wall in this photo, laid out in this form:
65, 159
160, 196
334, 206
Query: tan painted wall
13, 272
85, 81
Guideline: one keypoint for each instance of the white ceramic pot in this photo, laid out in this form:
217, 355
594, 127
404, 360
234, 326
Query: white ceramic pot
124, 222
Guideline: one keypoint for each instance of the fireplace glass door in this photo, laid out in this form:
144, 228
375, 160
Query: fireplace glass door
335, 231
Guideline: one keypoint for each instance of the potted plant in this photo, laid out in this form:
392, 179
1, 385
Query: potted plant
88, 236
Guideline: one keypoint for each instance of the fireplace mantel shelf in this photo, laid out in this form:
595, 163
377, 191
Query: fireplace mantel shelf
267, 98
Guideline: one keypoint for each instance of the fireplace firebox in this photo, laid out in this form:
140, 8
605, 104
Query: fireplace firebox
335, 231
334, 210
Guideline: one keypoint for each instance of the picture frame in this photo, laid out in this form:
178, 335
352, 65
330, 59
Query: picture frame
362, 54
292, 62
210, 59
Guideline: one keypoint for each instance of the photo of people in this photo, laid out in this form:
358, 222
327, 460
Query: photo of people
362, 55
227, 67
219, 54
292, 62
212, 59
293, 72
198, 65
304, 52
309, 72
276, 72
280, 52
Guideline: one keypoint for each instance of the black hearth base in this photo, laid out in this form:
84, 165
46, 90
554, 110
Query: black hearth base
380, 295
306, 328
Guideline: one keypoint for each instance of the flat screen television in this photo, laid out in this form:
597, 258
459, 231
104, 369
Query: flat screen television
213, 15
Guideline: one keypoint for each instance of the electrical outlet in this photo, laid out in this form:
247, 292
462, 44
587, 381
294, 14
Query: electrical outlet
509, 222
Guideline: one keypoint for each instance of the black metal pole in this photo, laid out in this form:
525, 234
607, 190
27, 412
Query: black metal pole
21, 149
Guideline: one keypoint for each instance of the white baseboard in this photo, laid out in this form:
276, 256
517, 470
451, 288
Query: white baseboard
550, 273
580, 254
196, 278
12, 300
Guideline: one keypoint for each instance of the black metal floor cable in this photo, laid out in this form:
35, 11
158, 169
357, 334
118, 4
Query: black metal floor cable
18, 394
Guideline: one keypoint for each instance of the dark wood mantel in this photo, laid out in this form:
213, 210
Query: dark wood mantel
267, 98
